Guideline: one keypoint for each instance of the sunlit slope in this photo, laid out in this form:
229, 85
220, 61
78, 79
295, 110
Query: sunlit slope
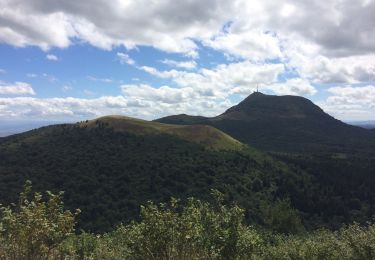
205, 135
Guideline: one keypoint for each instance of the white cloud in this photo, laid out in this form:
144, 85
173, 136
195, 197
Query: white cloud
18, 88
49, 77
180, 64
104, 80
306, 59
351, 103
165, 100
353, 95
329, 47
105, 24
295, 86
220, 80
22, 107
137, 105
52, 57
249, 44
124, 58
163, 94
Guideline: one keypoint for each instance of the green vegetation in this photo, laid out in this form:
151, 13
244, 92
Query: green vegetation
35, 228
338, 159
285, 124
108, 174
39, 229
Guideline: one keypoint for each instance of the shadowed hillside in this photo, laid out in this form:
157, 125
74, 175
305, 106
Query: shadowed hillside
108, 167
284, 123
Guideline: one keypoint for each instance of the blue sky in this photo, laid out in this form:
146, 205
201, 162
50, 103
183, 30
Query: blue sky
63, 61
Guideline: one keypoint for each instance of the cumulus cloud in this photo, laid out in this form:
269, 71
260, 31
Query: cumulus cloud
135, 102
180, 64
17, 88
329, 24
21, 107
320, 47
104, 25
165, 100
54, 23
351, 103
353, 95
221, 79
31, 75
163, 94
52, 57
124, 58
306, 59
295, 86
249, 44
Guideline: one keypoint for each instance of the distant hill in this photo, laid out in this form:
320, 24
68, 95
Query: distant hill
284, 123
10, 127
364, 124
207, 136
109, 166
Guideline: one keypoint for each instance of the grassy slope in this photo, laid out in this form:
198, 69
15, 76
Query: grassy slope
207, 136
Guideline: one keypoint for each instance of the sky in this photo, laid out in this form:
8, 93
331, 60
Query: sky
72, 60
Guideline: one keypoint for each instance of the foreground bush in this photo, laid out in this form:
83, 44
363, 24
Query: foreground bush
34, 229
198, 230
38, 229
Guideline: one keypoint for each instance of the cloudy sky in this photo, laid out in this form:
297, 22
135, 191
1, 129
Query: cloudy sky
72, 60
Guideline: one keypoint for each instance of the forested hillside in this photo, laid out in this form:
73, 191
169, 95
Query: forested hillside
290, 124
108, 174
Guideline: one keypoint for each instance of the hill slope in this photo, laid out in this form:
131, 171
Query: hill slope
207, 136
284, 123
110, 166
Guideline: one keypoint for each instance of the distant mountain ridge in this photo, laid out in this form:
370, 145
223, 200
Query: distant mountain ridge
283, 123
364, 124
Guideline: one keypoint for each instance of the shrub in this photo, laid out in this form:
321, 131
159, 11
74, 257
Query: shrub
199, 230
34, 229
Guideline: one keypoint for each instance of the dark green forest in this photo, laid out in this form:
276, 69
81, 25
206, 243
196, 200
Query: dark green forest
39, 227
109, 174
